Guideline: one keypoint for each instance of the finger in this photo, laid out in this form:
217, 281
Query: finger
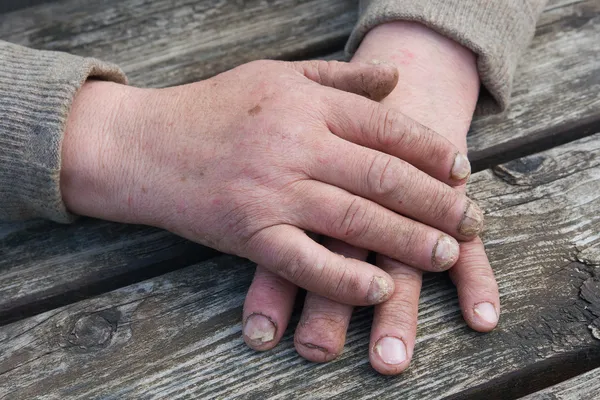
397, 185
373, 81
334, 212
321, 333
395, 322
477, 288
291, 254
379, 127
267, 309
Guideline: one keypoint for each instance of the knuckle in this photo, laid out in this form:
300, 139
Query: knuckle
382, 179
441, 203
479, 280
386, 122
344, 283
399, 314
299, 265
354, 221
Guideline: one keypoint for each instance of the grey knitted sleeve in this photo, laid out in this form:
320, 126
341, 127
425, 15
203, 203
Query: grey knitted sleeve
496, 30
37, 89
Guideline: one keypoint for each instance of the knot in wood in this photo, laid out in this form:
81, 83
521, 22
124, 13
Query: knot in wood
91, 331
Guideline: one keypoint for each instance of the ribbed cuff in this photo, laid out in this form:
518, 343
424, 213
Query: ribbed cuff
497, 31
37, 89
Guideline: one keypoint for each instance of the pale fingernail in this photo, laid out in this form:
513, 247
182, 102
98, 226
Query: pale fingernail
472, 220
379, 290
259, 329
391, 350
445, 252
487, 312
461, 167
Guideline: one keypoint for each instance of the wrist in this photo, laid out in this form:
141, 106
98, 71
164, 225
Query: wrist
439, 82
97, 148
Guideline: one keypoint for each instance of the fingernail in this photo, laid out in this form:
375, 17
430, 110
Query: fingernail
472, 221
259, 329
445, 252
487, 312
391, 350
379, 290
461, 167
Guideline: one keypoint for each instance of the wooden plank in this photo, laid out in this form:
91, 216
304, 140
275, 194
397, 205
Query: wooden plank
555, 97
45, 265
169, 42
582, 387
162, 43
178, 335
11, 5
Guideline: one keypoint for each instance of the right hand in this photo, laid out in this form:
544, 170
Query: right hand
247, 161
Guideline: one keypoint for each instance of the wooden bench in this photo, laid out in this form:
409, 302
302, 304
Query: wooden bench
103, 310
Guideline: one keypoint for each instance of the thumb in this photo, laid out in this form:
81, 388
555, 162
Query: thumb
374, 81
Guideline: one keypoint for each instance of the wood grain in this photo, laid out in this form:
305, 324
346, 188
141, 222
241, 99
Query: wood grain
178, 335
582, 387
169, 42
45, 265
555, 92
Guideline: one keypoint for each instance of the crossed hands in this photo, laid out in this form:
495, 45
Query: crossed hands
253, 160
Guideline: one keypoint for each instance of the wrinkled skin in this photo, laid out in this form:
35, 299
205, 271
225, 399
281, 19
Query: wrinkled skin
438, 87
249, 160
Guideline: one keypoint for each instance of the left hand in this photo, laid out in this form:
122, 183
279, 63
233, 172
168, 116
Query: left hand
438, 87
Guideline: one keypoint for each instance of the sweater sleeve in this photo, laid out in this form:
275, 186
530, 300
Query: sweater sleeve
37, 89
496, 31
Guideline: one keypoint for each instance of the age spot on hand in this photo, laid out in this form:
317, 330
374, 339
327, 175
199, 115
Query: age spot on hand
255, 110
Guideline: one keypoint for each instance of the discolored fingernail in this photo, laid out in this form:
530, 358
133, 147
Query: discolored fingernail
471, 223
487, 312
391, 350
461, 168
259, 329
379, 290
445, 253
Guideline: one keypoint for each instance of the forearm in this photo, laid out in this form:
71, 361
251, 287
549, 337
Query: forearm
439, 83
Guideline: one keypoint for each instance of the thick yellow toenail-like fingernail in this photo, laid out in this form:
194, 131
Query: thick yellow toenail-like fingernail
445, 253
259, 329
472, 221
461, 168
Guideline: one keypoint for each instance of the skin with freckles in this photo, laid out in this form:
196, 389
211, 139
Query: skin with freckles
438, 86
242, 163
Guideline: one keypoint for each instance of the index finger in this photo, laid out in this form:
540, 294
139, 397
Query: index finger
379, 127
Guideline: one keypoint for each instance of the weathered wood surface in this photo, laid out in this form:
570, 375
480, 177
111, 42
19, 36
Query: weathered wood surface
178, 335
582, 387
161, 43
45, 265
555, 96
165, 43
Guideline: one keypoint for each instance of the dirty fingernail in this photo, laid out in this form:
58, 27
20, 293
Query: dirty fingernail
487, 312
461, 167
391, 350
472, 221
259, 329
379, 290
445, 252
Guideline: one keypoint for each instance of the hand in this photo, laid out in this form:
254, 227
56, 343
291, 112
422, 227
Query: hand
439, 87
248, 160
